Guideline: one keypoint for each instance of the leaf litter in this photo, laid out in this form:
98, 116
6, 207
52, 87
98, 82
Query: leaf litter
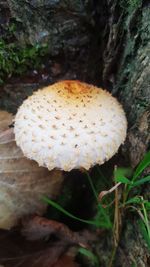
48, 249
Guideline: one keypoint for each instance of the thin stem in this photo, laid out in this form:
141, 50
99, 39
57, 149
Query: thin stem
92, 186
112, 257
101, 209
103, 193
146, 219
117, 225
102, 176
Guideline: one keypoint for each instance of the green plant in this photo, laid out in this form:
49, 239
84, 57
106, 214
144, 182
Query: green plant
17, 60
129, 200
90, 255
103, 215
133, 201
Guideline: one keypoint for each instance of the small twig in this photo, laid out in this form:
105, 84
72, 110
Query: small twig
103, 193
117, 220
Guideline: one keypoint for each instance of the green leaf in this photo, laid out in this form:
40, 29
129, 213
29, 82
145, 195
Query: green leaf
147, 205
105, 223
86, 252
138, 200
143, 164
135, 200
120, 175
123, 180
141, 181
61, 209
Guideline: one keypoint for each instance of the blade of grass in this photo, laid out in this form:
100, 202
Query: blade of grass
123, 180
141, 181
107, 223
92, 186
134, 200
61, 209
143, 164
140, 168
90, 255
101, 176
121, 173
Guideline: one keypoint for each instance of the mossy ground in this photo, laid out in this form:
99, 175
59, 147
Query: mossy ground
17, 60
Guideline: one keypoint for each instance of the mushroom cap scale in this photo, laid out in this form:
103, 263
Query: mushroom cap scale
70, 125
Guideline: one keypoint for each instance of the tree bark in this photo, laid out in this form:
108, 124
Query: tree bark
126, 69
126, 73
61, 24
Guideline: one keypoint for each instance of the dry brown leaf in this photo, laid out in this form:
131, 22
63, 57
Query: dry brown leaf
22, 181
66, 261
15, 251
37, 227
47, 247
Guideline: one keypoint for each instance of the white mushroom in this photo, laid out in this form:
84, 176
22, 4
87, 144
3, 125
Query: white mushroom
70, 125
22, 182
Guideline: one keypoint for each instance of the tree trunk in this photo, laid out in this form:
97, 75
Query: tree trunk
126, 72
127, 67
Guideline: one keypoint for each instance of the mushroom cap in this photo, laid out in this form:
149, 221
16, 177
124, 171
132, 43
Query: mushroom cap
70, 125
